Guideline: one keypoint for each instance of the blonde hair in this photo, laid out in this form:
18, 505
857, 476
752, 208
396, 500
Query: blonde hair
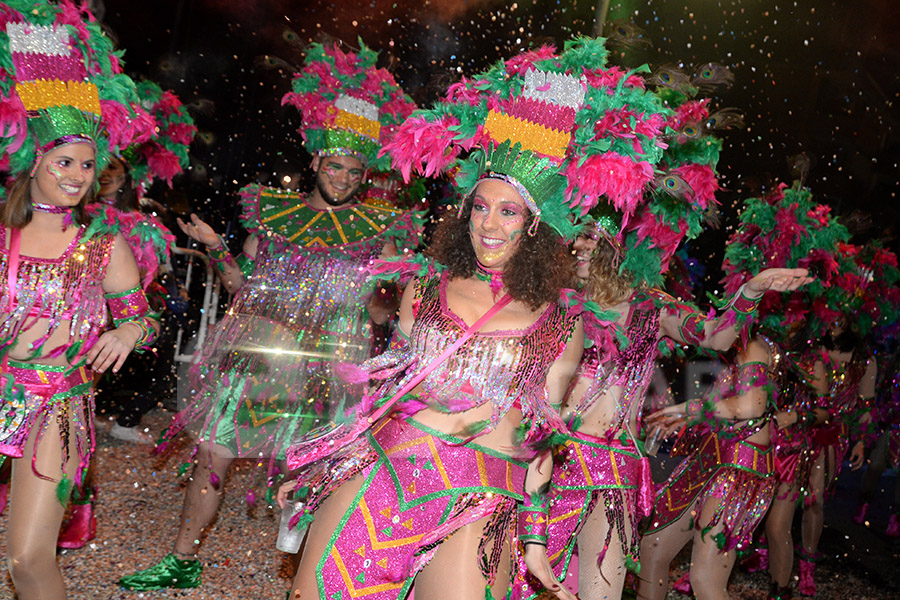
608, 283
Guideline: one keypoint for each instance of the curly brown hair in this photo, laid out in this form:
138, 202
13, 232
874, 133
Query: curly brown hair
16, 211
541, 266
608, 283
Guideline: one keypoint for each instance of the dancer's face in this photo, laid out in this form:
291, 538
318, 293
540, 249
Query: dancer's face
64, 175
338, 178
584, 245
499, 215
111, 179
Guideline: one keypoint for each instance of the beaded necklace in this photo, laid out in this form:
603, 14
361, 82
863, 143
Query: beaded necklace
494, 278
51, 208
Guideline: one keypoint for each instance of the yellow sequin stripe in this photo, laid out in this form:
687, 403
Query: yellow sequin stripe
532, 136
357, 124
45, 93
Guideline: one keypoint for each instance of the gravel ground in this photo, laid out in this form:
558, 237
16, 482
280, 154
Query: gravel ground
140, 497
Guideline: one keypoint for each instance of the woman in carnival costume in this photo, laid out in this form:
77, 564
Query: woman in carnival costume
601, 484
265, 374
722, 490
810, 459
882, 305
438, 481
65, 276
117, 207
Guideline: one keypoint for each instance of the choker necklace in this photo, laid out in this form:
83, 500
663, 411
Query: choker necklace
51, 208
494, 278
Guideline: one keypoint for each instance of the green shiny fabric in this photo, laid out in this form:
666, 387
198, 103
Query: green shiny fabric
170, 572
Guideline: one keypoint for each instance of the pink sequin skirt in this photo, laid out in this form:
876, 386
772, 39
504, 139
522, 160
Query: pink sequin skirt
588, 472
32, 392
423, 486
740, 474
797, 451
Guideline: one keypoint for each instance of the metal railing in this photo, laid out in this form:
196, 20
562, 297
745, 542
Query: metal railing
208, 310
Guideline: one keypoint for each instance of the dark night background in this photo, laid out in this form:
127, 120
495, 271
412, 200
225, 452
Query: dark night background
815, 77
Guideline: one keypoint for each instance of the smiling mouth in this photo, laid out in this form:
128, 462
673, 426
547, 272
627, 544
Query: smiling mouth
491, 243
71, 190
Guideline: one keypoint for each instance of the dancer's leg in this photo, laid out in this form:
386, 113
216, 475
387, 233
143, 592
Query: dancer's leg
878, 462
710, 568
453, 572
778, 534
202, 498
657, 551
328, 515
35, 514
599, 582
814, 510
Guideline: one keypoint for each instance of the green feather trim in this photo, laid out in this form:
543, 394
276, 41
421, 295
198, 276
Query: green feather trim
63, 490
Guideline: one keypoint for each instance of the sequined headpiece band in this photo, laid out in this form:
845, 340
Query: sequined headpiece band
521, 189
345, 152
76, 138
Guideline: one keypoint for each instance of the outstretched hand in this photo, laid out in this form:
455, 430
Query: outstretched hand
539, 565
669, 419
199, 231
779, 280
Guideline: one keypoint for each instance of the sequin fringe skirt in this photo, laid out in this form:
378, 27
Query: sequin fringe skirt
422, 487
588, 472
740, 474
32, 393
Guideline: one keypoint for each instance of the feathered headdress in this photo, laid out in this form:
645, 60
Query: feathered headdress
868, 278
166, 155
788, 229
561, 128
61, 81
683, 196
349, 106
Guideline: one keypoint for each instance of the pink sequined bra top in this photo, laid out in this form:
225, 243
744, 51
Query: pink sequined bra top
630, 369
67, 288
507, 368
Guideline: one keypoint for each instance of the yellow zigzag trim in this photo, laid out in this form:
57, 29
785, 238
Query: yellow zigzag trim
532, 136
47, 93
357, 124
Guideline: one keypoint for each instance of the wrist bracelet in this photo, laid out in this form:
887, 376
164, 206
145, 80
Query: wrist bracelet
744, 305
534, 521
220, 255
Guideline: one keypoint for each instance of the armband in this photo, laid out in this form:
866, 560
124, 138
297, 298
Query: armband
691, 329
534, 519
742, 304
246, 264
220, 255
131, 306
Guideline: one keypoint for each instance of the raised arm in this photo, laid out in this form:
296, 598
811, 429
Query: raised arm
719, 332
231, 272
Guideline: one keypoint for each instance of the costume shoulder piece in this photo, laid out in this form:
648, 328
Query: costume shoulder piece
271, 211
149, 240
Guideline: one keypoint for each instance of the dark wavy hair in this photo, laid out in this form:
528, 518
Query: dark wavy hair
126, 196
541, 266
16, 211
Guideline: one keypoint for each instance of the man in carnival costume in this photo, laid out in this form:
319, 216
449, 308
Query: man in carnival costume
64, 105
300, 305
